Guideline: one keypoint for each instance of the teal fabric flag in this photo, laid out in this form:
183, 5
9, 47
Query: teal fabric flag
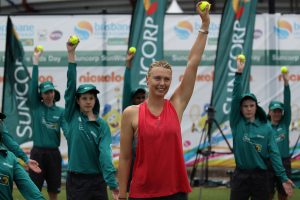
235, 37
146, 35
16, 88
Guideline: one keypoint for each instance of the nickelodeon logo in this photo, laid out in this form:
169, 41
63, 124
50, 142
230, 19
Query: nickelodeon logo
150, 7
83, 30
112, 77
183, 30
283, 29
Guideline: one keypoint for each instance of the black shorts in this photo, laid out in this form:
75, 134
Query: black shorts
249, 183
49, 160
275, 181
177, 196
86, 187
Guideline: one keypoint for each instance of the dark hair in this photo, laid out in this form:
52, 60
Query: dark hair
56, 96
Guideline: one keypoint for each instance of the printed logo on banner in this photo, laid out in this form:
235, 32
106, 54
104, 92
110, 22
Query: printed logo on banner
56, 35
183, 29
283, 29
257, 33
83, 29
238, 8
26, 34
42, 35
150, 7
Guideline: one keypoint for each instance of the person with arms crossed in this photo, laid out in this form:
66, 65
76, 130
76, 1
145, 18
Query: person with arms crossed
90, 167
48, 120
159, 169
280, 118
253, 144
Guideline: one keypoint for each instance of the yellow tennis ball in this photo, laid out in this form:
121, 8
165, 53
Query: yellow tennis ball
242, 57
132, 50
203, 5
74, 39
39, 48
284, 69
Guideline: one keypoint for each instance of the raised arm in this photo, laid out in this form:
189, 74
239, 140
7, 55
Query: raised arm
64, 125
236, 95
70, 104
129, 59
287, 117
34, 89
126, 148
184, 91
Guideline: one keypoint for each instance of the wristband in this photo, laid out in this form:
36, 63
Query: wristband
203, 31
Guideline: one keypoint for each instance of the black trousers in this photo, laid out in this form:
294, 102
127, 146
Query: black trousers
249, 183
177, 196
49, 160
86, 187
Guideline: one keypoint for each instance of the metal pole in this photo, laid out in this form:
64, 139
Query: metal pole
271, 6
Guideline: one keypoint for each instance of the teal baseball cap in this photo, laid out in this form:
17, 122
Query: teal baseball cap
276, 105
46, 86
84, 88
249, 96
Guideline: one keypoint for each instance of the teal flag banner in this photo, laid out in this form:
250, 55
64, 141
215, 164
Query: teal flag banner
16, 88
146, 35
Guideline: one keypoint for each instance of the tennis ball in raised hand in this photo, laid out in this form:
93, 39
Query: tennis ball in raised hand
74, 39
241, 57
132, 50
39, 48
284, 69
203, 4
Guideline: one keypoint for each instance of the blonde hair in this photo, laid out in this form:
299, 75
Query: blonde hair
161, 63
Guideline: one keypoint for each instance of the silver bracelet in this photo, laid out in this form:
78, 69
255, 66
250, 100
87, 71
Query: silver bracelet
203, 31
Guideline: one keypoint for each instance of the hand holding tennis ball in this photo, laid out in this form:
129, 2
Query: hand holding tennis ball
242, 58
132, 50
284, 70
39, 48
74, 40
203, 5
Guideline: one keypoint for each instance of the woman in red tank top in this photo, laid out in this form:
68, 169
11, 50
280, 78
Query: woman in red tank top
159, 170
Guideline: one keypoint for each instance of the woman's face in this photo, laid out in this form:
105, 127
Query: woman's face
86, 102
48, 97
276, 115
159, 81
248, 109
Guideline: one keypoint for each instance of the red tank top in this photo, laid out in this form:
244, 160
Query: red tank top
159, 168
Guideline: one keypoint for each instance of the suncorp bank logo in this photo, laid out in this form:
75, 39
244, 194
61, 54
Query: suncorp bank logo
83, 29
150, 7
238, 7
183, 29
283, 29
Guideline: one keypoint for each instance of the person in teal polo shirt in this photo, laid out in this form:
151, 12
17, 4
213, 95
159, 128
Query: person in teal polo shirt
253, 144
11, 171
90, 167
48, 120
280, 119
14, 147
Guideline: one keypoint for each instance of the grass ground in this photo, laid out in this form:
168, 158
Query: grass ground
197, 194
